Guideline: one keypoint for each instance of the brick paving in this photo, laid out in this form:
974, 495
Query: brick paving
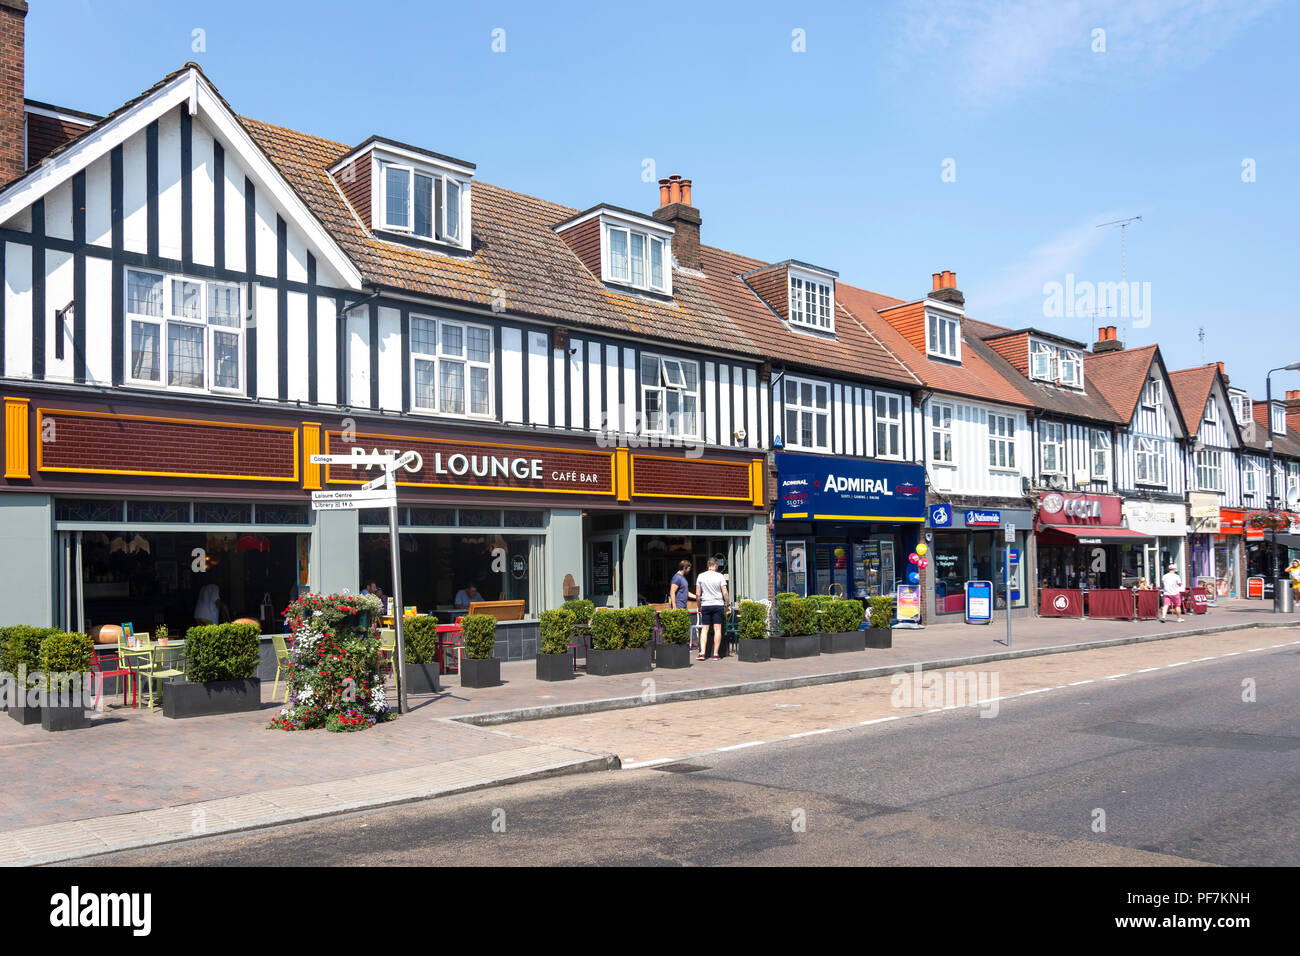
133, 760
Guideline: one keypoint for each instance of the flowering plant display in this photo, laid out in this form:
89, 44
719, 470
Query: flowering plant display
334, 678
1270, 520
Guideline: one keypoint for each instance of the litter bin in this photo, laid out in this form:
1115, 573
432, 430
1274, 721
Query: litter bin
1283, 600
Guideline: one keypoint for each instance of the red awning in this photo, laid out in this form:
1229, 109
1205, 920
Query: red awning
1087, 535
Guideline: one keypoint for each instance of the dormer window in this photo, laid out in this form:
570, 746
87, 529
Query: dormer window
812, 302
1054, 363
421, 202
943, 336
1277, 418
1242, 409
636, 258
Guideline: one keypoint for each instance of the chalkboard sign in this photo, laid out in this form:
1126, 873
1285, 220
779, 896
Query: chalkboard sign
602, 568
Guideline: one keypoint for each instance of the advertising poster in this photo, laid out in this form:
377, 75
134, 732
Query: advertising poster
909, 604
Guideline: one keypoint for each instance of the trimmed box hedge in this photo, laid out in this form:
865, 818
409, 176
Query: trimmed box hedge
221, 652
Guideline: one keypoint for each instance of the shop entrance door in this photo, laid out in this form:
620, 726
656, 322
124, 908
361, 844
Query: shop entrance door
1151, 569
604, 555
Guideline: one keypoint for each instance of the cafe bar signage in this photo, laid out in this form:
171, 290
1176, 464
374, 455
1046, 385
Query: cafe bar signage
1103, 511
439, 463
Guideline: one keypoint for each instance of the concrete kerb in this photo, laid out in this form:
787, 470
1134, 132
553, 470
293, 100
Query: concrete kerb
542, 712
592, 765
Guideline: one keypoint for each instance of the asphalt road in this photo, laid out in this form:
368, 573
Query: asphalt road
1183, 769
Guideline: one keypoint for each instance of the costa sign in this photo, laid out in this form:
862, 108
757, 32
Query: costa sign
1101, 510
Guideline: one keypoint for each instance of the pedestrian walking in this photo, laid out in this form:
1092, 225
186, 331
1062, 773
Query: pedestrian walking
1294, 573
1172, 588
711, 587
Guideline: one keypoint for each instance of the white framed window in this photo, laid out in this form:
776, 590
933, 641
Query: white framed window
889, 426
1242, 408
943, 336
1151, 467
941, 434
1277, 418
1070, 364
184, 333
1211, 412
1153, 393
670, 396
635, 258
1250, 479
1002, 442
812, 303
1042, 362
1209, 470
807, 414
420, 202
1051, 447
1099, 455
451, 367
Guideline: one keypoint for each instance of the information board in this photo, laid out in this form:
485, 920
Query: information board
979, 602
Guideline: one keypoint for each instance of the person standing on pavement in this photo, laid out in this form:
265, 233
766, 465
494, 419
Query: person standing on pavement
1172, 586
680, 590
1294, 573
711, 587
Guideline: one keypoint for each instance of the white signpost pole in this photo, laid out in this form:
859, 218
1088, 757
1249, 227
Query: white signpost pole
1006, 573
395, 551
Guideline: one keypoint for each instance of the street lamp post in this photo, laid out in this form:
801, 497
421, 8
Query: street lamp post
1272, 478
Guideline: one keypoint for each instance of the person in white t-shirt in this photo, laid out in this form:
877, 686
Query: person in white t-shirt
711, 588
1172, 587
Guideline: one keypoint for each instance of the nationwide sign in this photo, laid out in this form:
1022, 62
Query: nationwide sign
814, 488
439, 463
983, 519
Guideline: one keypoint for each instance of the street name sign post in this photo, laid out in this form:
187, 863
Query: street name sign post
1010, 539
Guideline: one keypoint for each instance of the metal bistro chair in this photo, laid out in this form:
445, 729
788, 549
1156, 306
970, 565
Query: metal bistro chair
282, 665
388, 650
132, 660
108, 663
166, 662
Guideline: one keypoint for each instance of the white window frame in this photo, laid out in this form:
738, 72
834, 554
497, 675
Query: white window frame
650, 244
1209, 470
1099, 441
204, 321
889, 429
935, 324
1155, 452
1043, 351
1250, 479
1243, 408
1211, 412
814, 411
1068, 358
438, 357
942, 433
670, 423
1002, 442
1153, 393
811, 301
442, 181
1051, 435
1277, 418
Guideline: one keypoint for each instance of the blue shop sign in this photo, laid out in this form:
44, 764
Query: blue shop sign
941, 516
816, 488
983, 519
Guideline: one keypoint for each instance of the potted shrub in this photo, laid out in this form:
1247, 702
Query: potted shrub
841, 627
620, 641
881, 613
754, 643
675, 628
65, 668
478, 668
22, 663
798, 635
420, 647
220, 672
553, 658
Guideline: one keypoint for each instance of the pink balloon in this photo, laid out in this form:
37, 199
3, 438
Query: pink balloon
923, 563
913, 558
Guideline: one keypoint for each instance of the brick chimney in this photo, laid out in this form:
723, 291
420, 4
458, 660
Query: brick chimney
945, 288
1292, 401
675, 210
13, 112
1223, 373
1107, 340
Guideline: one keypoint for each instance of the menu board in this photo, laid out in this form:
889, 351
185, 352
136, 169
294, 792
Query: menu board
602, 568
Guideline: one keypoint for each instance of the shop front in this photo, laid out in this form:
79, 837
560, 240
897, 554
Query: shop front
1082, 545
1259, 543
1203, 566
968, 544
1166, 524
846, 525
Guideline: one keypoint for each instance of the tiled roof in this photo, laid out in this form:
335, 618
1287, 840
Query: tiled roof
1120, 376
974, 377
1192, 392
1285, 444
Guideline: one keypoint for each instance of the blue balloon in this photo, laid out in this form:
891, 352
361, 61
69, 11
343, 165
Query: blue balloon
913, 577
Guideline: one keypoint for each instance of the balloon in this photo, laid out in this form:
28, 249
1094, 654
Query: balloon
922, 548
913, 558
913, 577
924, 563
839, 552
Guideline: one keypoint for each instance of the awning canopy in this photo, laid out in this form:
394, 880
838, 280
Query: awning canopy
1094, 535
1286, 540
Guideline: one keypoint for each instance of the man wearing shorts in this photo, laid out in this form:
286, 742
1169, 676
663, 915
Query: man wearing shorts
711, 587
1172, 586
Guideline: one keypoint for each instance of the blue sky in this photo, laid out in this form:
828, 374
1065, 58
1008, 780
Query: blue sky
834, 155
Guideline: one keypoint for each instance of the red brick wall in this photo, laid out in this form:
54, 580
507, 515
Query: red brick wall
12, 109
80, 443
656, 477
584, 240
45, 134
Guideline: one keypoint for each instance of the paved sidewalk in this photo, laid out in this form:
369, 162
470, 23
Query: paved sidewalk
131, 761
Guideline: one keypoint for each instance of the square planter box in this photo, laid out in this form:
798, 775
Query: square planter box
630, 660
65, 717
673, 655
800, 645
555, 666
26, 714
879, 637
843, 642
480, 673
754, 651
184, 699
422, 678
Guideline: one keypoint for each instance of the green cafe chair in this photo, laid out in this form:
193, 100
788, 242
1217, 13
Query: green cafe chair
281, 665
166, 663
